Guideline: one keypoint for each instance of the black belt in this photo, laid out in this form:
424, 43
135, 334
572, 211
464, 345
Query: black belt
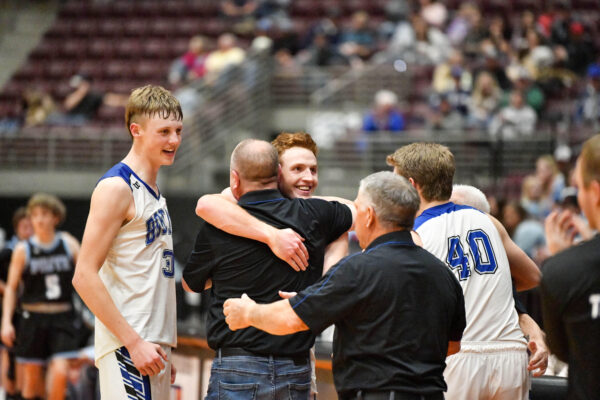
298, 359
388, 395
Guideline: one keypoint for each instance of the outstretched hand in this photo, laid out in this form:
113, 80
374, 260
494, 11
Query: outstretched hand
237, 312
287, 245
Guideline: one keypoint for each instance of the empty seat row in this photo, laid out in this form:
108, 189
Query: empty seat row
102, 48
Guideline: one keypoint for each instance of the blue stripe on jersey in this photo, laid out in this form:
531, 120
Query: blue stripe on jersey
122, 170
436, 211
137, 386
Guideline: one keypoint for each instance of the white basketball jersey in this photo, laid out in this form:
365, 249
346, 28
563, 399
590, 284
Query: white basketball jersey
468, 242
139, 269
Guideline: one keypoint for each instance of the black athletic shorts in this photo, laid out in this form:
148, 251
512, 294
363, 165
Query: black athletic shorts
41, 336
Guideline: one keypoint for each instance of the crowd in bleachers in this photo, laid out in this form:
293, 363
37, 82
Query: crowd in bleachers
502, 66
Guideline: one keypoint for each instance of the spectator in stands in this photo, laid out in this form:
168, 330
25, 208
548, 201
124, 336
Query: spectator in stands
551, 180
580, 48
191, 65
538, 56
446, 76
433, 12
523, 82
322, 52
588, 109
467, 17
490, 60
358, 41
532, 198
526, 232
418, 43
498, 34
239, 14
226, 55
82, 104
477, 32
445, 117
385, 116
517, 119
37, 106
520, 28
485, 100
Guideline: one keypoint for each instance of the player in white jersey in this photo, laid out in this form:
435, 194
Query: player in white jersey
125, 270
492, 363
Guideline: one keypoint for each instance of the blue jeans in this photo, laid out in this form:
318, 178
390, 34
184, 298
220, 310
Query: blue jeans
258, 378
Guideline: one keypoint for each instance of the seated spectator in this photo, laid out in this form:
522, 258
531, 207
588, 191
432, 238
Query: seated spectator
444, 75
588, 108
419, 43
485, 100
498, 34
516, 119
227, 54
358, 41
191, 65
322, 52
580, 48
538, 55
240, 14
37, 106
520, 29
551, 180
532, 198
522, 81
385, 115
445, 117
82, 104
527, 232
467, 17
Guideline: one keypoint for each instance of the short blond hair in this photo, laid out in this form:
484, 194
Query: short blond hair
430, 165
287, 140
590, 160
149, 101
49, 202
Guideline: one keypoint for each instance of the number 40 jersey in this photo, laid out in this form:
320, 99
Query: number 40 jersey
139, 269
470, 245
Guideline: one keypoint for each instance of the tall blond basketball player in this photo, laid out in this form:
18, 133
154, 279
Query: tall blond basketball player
125, 269
492, 363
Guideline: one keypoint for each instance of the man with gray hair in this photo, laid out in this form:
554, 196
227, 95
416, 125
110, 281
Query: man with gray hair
398, 310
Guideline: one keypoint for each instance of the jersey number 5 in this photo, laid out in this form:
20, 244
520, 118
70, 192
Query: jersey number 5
481, 252
53, 291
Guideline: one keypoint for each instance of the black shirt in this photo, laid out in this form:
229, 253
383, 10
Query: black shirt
238, 265
570, 291
395, 307
48, 272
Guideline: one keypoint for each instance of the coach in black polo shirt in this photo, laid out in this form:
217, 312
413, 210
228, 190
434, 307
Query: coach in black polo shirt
398, 310
247, 359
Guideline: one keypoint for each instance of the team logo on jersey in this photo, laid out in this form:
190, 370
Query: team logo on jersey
158, 224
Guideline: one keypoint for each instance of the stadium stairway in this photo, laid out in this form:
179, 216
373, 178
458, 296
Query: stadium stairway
23, 24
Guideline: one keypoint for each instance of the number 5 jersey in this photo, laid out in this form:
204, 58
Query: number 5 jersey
48, 272
139, 269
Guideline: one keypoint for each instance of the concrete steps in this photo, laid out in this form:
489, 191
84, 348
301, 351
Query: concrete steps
23, 26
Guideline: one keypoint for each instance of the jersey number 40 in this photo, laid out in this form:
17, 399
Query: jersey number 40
480, 250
